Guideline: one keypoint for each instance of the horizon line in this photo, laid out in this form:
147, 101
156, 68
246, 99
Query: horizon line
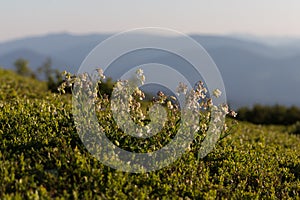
239, 35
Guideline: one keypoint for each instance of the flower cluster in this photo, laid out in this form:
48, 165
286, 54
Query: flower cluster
144, 118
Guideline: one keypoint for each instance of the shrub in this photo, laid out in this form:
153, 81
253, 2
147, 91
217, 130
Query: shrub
276, 114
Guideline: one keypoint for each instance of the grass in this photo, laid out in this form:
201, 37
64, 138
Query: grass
42, 157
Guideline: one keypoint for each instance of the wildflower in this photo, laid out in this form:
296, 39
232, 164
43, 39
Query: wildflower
232, 113
140, 75
182, 88
201, 95
139, 72
224, 108
119, 86
169, 105
100, 73
173, 98
125, 107
217, 93
160, 94
140, 94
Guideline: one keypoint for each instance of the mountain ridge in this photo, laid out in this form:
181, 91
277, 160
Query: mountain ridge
250, 69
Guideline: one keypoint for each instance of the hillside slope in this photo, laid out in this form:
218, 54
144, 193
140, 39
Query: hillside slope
41, 156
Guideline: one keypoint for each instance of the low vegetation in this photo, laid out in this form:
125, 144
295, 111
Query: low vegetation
275, 114
42, 157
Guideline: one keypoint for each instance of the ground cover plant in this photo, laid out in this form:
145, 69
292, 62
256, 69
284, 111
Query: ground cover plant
42, 157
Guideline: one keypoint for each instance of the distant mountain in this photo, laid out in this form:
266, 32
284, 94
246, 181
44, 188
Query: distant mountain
51, 43
35, 59
269, 40
253, 69
65, 50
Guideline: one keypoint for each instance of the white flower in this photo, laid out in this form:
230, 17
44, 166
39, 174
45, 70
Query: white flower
232, 113
169, 105
140, 75
100, 73
182, 88
143, 78
119, 86
139, 72
217, 93
224, 108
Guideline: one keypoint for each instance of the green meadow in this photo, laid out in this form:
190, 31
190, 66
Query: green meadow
42, 157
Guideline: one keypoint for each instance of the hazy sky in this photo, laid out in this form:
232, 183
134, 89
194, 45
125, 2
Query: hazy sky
19, 18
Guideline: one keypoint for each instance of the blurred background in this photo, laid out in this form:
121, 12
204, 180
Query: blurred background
255, 44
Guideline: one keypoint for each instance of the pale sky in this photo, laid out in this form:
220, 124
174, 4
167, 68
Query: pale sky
20, 18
